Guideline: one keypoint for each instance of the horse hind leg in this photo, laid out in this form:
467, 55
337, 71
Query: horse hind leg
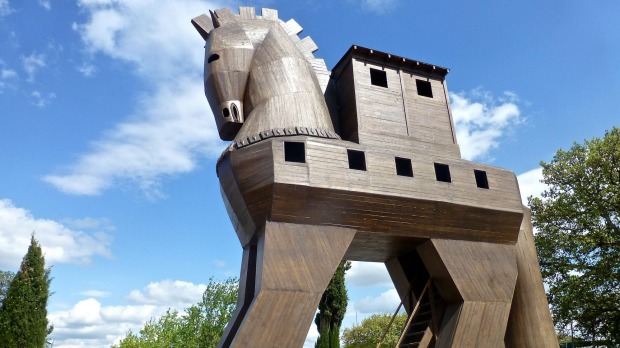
530, 323
477, 282
284, 275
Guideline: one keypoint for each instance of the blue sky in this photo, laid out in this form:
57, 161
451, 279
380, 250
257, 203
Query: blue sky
108, 145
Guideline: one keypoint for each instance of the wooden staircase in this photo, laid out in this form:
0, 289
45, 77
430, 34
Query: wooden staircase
422, 325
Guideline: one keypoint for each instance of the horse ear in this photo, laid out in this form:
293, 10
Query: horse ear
221, 17
216, 23
203, 25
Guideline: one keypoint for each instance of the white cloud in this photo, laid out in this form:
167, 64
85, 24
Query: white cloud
367, 274
7, 76
312, 336
46, 4
530, 185
172, 128
42, 100
386, 302
32, 64
481, 120
90, 324
95, 293
154, 36
59, 243
177, 293
172, 132
8, 73
87, 69
5, 9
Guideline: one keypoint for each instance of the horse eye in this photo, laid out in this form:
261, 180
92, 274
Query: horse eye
213, 58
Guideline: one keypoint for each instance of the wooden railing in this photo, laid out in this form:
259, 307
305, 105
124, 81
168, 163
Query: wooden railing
413, 313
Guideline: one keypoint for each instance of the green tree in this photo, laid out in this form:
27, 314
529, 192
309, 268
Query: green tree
5, 280
578, 243
368, 333
332, 308
23, 316
200, 325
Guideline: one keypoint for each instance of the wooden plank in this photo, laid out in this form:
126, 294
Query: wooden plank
347, 103
480, 271
292, 27
270, 14
307, 46
247, 12
203, 25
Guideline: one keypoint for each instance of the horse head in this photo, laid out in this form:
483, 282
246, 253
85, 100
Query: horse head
228, 56
259, 76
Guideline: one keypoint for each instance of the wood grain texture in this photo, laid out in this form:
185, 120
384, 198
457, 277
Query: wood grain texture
480, 278
395, 116
376, 202
258, 70
530, 323
290, 280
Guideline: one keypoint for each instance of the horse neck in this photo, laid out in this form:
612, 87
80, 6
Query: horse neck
283, 90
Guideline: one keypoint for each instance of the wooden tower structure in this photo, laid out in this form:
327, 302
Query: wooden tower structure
361, 164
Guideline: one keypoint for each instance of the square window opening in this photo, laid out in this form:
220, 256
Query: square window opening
357, 159
424, 88
442, 172
403, 167
481, 179
378, 77
294, 152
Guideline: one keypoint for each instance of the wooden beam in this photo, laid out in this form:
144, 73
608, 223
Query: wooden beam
292, 265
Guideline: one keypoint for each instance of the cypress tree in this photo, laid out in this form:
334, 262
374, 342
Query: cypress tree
332, 308
23, 315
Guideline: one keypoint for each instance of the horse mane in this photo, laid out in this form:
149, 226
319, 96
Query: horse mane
215, 19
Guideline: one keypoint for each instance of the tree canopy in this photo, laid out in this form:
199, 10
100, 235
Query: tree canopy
23, 315
199, 326
578, 240
368, 333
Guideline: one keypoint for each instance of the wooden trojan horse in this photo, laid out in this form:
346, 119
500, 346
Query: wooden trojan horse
361, 164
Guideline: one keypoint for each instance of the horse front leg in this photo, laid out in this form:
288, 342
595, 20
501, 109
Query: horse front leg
284, 274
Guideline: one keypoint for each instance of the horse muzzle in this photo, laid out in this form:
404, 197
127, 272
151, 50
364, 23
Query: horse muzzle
230, 118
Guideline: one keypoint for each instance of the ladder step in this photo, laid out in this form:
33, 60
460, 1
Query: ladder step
417, 333
418, 324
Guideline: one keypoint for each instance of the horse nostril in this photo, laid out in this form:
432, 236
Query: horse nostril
235, 112
226, 112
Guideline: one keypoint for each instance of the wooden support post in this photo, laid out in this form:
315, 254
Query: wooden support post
477, 280
529, 324
290, 268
